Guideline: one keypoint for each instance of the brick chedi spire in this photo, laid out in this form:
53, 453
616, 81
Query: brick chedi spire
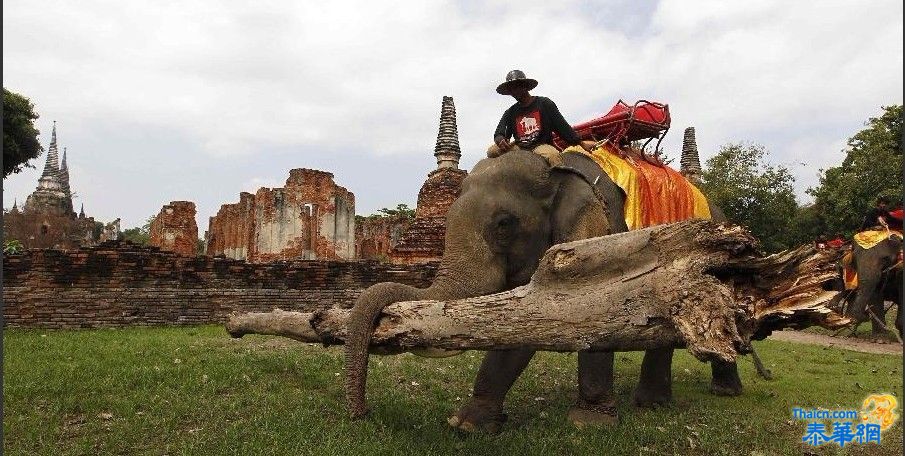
424, 239
64, 176
52, 195
50, 177
690, 161
447, 149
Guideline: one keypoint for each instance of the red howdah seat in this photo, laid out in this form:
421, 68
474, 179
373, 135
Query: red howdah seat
643, 120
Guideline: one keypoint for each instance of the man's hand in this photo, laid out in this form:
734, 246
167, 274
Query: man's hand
503, 144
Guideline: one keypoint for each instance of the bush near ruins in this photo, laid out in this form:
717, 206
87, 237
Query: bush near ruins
139, 235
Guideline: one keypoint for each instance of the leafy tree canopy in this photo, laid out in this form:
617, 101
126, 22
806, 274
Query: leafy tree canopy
872, 168
752, 193
20, 137
139, 235
402, 210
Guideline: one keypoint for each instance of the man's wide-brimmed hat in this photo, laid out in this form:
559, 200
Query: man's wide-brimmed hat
515, 78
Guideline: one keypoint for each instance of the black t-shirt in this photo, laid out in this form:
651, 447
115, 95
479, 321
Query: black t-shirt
534, 124
870, 219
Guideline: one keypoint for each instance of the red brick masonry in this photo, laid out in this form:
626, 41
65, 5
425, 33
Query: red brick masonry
174, 229
121, 284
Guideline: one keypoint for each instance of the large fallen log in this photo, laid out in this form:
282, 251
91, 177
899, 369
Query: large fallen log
694, 284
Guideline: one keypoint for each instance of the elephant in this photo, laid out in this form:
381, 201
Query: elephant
879, 271
511, 209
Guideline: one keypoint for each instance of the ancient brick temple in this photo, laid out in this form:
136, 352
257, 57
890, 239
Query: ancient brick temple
423, 241
310, 218
174, 228
48, 220
690, 161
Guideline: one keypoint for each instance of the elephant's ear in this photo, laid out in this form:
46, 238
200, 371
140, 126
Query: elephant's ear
578, 212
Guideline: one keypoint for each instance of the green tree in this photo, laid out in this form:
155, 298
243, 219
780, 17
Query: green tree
402, 210
20, 137
872, 167
139, 235
752, 193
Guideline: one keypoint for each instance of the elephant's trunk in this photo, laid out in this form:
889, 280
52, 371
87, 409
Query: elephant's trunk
468, 269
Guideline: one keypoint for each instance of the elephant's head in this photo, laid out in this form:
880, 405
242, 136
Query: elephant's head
875, 274
510, 210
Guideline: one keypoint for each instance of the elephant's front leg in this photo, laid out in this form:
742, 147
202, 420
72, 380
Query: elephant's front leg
655, 383
596, 400
498, 372
725, 381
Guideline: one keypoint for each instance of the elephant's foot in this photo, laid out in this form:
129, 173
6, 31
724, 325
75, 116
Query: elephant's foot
722, 389
484, 415
725, 381
584, 414
647, 397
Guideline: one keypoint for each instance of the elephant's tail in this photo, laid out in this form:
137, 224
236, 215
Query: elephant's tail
359, 327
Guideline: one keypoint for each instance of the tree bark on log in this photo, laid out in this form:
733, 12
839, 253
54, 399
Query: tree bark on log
694, 284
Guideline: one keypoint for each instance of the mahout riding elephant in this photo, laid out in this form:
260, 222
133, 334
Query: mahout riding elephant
879, 271
511, 209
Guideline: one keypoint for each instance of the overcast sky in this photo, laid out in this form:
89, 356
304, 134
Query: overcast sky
174, 100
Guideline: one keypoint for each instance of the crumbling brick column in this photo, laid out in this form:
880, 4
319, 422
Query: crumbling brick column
174, 229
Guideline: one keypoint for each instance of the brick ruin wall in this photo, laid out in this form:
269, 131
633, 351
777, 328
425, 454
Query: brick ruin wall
376, 236
174, 229
424, 239
311, 218
121, 284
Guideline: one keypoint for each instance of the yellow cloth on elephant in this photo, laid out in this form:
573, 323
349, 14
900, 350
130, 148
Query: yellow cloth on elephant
653, 194
870, 238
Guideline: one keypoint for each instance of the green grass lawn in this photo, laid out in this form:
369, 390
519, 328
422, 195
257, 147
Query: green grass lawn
196, 391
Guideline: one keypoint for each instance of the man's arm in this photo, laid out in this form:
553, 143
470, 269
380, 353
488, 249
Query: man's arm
560, 126
503, 131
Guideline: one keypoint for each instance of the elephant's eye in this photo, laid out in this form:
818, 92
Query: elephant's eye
504, 226
506, 222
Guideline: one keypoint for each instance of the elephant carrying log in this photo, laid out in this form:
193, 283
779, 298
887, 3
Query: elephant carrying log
879, 279
511, 209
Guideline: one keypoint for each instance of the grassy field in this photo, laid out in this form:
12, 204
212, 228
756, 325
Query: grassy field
196, 391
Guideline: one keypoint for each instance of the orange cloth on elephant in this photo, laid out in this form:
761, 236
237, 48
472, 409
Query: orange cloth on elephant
870, 238
654, 195
849, 274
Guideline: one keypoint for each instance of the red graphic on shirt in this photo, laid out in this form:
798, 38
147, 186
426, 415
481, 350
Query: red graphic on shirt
527, 127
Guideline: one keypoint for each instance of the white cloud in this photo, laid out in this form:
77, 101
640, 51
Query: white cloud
236, 84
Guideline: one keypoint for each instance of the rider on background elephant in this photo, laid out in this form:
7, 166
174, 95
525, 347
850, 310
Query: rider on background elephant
879, 275
511, 209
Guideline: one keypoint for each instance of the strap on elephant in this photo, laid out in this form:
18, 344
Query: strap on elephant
585, 168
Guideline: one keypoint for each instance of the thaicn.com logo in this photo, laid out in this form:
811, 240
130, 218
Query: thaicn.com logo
877, 414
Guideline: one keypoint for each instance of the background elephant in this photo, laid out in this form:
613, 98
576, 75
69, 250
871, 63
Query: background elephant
878, 281
511, 209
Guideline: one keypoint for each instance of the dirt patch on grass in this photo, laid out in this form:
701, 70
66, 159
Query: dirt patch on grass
845, 343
